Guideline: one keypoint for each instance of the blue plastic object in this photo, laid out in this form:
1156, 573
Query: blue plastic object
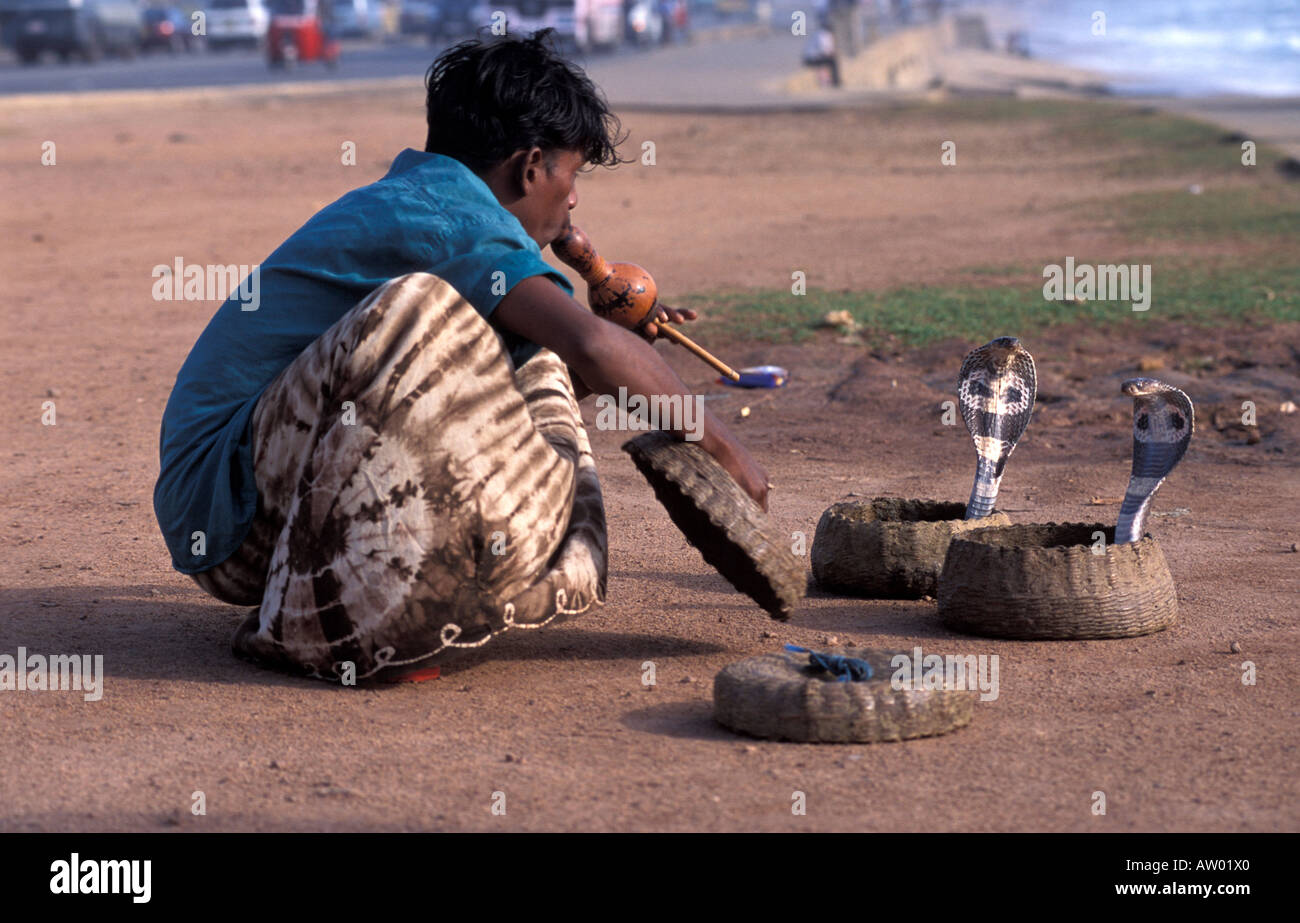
759, 376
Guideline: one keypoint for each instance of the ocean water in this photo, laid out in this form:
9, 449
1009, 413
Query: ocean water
1180, 47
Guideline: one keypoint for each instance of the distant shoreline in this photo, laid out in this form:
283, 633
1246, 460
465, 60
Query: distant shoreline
944, 58
1274, 120
1159, 50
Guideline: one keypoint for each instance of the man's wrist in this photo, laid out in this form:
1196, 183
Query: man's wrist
715, 439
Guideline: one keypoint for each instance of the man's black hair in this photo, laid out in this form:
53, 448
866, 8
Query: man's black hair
488, 99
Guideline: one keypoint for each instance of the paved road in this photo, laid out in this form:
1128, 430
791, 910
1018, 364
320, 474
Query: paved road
723, 62
733, 74
226, 68
738, 72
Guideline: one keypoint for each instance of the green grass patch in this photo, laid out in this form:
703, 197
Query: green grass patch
1149, 143
1238, 203
1214, 214
919, 315
988, 109
1137, 140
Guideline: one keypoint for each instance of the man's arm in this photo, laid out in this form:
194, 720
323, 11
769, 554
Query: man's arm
580, 389
607, 357
648, 332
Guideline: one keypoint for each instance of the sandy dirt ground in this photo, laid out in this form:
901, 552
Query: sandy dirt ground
558, 719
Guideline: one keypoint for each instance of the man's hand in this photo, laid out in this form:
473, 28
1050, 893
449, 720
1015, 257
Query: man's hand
605, 357
734, 457
664, 313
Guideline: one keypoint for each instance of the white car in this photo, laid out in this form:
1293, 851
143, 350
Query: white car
236, 22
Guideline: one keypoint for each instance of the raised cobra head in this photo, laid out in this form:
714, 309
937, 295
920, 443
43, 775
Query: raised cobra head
1163, 421
996, 390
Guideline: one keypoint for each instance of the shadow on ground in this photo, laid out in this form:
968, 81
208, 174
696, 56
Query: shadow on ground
152, 631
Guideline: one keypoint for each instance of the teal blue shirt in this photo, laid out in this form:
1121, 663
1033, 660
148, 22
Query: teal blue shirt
430, 213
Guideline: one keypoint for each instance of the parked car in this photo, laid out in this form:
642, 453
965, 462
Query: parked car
168, 29
236, 22
87, 28
452, 20
524, 17
416, 17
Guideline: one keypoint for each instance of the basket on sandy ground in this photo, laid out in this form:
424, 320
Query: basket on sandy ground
780, 696
888, 547
1055, 582
715, 515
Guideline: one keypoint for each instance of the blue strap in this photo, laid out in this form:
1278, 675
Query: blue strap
846, 669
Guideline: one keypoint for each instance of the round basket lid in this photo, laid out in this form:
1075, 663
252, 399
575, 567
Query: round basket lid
730, 530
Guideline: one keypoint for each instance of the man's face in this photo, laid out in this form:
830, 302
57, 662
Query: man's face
549, 194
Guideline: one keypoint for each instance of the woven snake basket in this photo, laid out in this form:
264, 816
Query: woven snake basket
778, 696
715, 515
1055, 582
887, 547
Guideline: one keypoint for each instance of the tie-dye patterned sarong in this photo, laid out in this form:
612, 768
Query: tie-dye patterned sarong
417, 494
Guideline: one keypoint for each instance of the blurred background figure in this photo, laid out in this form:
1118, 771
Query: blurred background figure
820, 48
676, 21
1018, 43
645, 23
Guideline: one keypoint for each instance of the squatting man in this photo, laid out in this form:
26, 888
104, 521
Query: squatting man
387, 459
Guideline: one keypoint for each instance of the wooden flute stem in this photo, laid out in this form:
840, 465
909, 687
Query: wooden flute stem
623, 292
682, 339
